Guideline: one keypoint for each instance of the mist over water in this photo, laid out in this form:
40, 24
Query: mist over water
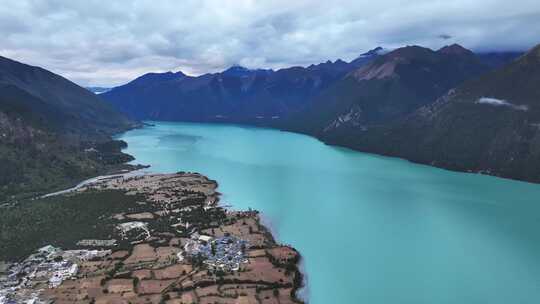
371, 229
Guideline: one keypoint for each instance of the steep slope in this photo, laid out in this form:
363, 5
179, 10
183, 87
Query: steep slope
234, 95
490, 125
386, 89
52, 132
498, 59
84, 112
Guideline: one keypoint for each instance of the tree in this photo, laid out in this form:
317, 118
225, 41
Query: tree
213, 248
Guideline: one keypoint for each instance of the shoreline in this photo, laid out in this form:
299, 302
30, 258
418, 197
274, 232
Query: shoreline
96, 179
270, 269
302, 292
336, 143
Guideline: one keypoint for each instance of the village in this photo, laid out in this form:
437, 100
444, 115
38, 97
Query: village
175, 246
48, 267
223, 254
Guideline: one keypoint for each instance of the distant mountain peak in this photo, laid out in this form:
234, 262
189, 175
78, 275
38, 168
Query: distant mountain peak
240, 71
237, 70
368, 56
374, 52
405, 54
416, 57
410, 51
158, 77
236, 67
455, 49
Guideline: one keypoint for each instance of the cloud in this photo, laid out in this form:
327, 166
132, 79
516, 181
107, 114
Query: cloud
501, 103
103, 43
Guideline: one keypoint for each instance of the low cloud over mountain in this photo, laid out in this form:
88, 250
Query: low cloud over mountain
98, 43
501, 103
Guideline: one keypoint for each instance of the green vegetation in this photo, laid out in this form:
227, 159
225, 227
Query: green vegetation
60, 221
29, 170
458, 132
53, 133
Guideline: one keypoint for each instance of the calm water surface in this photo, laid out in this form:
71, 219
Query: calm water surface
371, 229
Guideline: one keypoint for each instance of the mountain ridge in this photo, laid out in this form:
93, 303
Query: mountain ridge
52, 131
341, 103
386, 88
240, 95
489, 125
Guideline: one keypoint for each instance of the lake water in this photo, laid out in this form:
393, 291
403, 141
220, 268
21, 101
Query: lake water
371, 229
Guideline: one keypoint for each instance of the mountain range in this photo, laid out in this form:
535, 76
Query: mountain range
265, 97
52, 132
376, 103
392, 85
449, 107
237, 94
489, 124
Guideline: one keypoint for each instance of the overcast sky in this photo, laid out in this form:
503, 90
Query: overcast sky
106, 43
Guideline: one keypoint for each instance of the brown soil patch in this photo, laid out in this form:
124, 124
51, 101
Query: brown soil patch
141, 253
172, 272
120, 285
142, 274
253, 235
122, 254
111, 299
167, 254
256, 253
153, 286
260, 269
185, 298
282, 253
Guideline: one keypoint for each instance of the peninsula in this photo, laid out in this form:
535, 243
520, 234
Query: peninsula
161, 238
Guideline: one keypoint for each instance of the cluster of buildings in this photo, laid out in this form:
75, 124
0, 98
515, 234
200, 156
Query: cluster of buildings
48, 267
225, 253
97, 243
133, 230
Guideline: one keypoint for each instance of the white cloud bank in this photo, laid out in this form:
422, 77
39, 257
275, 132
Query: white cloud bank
103, 43
501, 103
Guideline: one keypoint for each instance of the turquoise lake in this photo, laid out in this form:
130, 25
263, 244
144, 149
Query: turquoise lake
371, 229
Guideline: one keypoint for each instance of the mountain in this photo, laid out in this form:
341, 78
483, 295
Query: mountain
46, 124
368, 56
83, 112
237, 94
386, 89
240, 71
489, 124
498, 59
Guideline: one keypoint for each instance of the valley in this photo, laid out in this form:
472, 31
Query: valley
151, 236
376, 103
53, 133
